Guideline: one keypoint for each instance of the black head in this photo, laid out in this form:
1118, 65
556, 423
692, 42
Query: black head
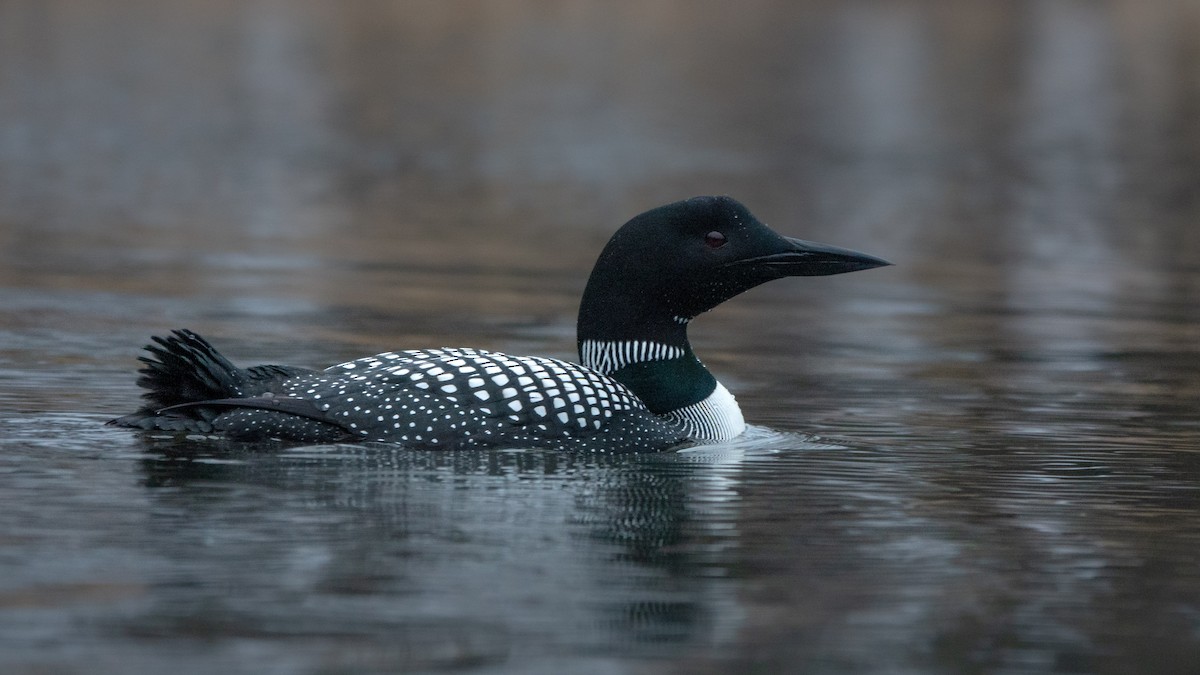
671, 263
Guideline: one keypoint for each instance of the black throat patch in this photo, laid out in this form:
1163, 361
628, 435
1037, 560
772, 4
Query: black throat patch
668, 385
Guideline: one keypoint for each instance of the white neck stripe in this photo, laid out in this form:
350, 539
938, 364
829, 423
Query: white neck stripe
609, 356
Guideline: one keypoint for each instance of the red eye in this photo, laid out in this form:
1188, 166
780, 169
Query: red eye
714, 239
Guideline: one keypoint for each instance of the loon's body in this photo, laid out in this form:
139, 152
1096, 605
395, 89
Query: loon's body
639, 388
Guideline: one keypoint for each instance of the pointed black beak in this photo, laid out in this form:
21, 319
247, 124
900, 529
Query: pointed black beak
808, 259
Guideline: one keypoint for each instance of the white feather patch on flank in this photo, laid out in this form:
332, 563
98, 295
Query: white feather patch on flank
716, 418
609, 356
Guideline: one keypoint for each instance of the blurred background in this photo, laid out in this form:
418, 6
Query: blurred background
307, 182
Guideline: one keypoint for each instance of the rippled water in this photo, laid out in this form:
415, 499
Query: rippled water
983, 459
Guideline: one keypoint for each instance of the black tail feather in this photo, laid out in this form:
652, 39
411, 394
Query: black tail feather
186, 369
183, 372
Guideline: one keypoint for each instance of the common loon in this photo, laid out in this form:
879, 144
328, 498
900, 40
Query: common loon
640, 387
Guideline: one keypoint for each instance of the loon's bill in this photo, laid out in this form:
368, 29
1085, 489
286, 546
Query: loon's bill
811, 259
638, 386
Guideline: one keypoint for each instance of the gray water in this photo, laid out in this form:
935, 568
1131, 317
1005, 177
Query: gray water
985, 459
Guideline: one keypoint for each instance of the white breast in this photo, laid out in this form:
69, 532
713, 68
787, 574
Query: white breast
716, 418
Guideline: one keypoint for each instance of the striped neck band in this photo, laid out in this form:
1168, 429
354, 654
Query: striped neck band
608, 356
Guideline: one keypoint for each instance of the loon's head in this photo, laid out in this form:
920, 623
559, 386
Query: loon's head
669, 264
